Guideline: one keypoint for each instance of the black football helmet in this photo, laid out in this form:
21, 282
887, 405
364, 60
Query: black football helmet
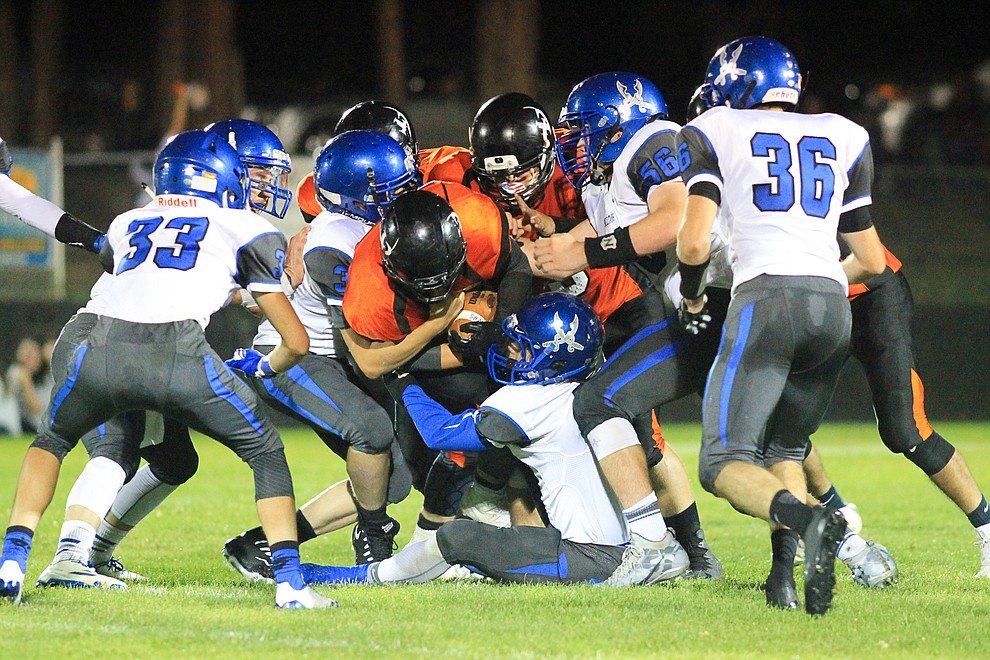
511, 135
381, 117
5, 159
422, 246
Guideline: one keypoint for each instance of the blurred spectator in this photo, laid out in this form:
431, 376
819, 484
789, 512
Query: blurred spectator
29, 381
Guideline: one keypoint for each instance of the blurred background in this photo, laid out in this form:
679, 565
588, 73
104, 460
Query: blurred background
88, 90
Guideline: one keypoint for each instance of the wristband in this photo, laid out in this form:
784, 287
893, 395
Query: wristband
562, 225
265, 369
693, 279
247, 300
613, 249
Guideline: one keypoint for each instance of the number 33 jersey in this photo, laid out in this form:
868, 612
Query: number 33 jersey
183, 257
786, 182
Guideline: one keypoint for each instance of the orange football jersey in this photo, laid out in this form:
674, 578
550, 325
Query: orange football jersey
376, 311
445, 164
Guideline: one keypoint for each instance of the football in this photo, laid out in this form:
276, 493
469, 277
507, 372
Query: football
478, 306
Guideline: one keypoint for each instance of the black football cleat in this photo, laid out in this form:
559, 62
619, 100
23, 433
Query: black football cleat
250, 555
374, 542
821, 543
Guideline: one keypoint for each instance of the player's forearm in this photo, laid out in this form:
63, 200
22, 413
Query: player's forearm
694, 236
439, 429
377, 358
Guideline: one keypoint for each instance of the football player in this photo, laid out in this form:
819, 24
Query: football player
768, 389
551, 344
150, 317
357, 175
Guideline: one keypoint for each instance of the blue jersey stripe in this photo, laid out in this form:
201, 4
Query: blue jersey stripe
556, 569
290, 403
69, 382
655, 358
645, 332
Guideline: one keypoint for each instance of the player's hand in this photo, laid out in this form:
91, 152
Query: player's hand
541, 223
251, 362
694, 316
294, 266
559, 256
443, 314
473, 349
396, 383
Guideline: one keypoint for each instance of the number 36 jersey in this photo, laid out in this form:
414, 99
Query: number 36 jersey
183, 258
785, 183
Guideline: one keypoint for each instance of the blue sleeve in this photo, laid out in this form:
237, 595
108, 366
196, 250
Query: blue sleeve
440, 429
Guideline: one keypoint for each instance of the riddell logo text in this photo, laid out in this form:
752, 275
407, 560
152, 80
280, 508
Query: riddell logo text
177, 201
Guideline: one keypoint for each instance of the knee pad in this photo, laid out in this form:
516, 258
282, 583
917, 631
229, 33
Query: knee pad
931, 454
374, 435
611, 436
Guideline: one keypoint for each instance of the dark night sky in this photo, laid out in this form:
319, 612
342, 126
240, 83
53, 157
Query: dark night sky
311, 51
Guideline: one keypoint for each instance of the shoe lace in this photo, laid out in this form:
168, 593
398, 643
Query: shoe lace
631, 559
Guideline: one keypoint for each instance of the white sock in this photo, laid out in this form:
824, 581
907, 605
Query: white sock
644, 519
135, 500
851, 545
97, 486
75, 541
416, 563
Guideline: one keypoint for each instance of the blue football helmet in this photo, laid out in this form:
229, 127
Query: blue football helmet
754, 70
381, 117
267, 162
359, 173
704, 98
558, 337
597, 109
201, 164
5, 160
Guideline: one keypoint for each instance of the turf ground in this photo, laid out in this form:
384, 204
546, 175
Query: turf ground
196, 606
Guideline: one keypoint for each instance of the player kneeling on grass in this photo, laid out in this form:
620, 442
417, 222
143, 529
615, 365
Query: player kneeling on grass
553, 343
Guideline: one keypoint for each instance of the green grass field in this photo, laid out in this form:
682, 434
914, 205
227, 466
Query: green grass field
196, 606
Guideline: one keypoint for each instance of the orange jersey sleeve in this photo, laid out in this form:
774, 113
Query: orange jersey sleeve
892, 262
306, 196
445, 164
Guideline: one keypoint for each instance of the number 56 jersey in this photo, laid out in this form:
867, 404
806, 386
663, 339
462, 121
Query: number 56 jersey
183, 257
785, 183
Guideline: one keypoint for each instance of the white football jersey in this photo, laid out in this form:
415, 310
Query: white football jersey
184, 257
577, 503
328, 253
648, 160
784, 180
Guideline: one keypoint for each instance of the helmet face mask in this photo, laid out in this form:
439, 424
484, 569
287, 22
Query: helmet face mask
267, 163
423, 249
553, 338
359, 173
601, 115
754, 70
512, 149
201, 164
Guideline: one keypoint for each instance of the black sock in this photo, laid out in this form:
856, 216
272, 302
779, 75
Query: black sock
423, 523
789, 510
980, 515
831, 498
304, 529
372, 517
784, 543
685, 524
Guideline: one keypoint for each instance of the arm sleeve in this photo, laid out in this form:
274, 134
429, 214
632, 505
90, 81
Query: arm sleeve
32, 210
516, 285
72, 231
440, 429
655, 162
260, 263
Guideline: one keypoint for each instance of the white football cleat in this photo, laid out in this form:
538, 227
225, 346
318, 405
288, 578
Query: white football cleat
984, 543
76, 574
11, 582
306, 598
646, 562
486, 505
114, 569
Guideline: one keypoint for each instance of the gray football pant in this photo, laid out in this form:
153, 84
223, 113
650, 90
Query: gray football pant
783, 345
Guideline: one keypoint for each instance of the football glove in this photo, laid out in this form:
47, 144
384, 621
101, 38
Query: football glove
251, 362
694, 322
473, 350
